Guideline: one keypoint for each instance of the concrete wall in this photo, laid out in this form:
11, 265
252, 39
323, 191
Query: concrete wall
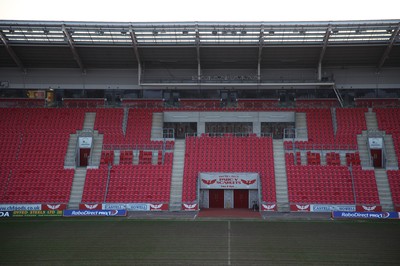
345, 78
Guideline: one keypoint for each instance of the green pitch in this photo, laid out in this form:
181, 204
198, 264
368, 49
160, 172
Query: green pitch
132, 242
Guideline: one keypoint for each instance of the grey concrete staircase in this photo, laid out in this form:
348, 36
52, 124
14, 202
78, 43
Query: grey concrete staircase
280, 177
370, 118
77, 188
177, 176
88, 123
70, 157
157, 126
301, 126
363, 150
385, 196
97, 148
391, 157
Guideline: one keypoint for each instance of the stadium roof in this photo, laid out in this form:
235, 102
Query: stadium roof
41, 44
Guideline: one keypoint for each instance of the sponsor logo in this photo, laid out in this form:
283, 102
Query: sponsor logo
91, 206
20, 207
54, 206
189, 207
208, 182
369, 208
45, 213
5, 214
248, 182
302, 207
116, 206
138, 207
269, 207
330, 208
158, 207
95, 213
365, 215
155, 207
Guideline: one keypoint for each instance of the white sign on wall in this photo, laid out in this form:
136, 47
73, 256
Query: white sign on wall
228, 180
375, 143
85, 142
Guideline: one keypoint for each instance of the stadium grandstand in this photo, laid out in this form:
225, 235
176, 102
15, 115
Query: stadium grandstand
186, 116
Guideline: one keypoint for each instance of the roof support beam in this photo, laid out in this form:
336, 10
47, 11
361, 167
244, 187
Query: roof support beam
135, 48
11, 52
198, 54
323, 50
260, 48
388, 48
73, 49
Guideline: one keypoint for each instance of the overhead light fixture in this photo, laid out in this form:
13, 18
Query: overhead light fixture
123, 32
335, 31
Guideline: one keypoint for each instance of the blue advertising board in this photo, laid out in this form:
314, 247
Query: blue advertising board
365, 215
94, 213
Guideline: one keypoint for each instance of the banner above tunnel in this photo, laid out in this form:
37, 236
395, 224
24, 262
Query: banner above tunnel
228, 180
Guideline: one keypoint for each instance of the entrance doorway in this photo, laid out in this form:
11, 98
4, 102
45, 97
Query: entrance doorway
376, 155
216, 198
83, 157
241, 199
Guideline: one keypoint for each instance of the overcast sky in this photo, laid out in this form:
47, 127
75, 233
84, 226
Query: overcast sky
200, 10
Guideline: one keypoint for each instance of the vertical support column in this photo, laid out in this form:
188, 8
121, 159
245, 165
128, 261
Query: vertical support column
201, 128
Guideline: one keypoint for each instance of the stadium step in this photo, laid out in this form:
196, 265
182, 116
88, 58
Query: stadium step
157, 126
177, 176
301, 126
280, 176
95, 155
88, 123
391, 157
363, 150
370, 118
70, 157
385, 195
77, 188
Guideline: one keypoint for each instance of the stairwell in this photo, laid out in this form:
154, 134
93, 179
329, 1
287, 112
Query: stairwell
280, 177
77, 188
88, 123
370, 118
385, 196
301, 126
97, 148
363, 150
157, 126
70, 159
390, 153
177, 176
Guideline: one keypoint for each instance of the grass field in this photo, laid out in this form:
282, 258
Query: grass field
159, 242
